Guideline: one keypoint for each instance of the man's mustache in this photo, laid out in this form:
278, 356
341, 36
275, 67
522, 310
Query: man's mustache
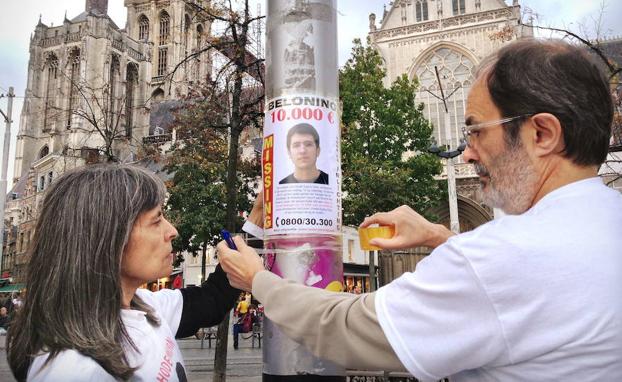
481, 170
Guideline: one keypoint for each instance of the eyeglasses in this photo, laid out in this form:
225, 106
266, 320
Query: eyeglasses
473, 130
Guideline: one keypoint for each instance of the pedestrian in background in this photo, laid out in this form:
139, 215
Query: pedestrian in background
4, 320
101, 234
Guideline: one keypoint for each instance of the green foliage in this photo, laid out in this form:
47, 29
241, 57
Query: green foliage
197, 191
384, 141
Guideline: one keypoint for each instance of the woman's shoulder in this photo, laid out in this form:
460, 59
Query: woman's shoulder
161, 299
69, 365
167, 303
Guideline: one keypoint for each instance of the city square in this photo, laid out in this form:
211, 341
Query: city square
170, 166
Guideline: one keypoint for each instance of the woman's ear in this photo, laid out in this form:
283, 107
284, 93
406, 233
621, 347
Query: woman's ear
546, 136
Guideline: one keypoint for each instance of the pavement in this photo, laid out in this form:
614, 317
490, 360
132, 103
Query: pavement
243, 364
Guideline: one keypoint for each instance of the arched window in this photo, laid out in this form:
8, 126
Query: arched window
45, 150
130, 86
421, 10
195, 70
199, 36
50, 90
187, 22
113, 80
458, 7
162, 61
404, 14
74, 79
157, 95
143, 28
456, 74
165, 27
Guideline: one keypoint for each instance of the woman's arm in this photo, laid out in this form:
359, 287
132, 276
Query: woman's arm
206, 305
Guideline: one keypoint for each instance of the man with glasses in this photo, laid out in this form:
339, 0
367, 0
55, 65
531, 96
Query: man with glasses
535, 295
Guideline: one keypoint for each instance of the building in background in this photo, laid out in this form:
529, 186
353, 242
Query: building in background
415, 36
611, 170
95, 90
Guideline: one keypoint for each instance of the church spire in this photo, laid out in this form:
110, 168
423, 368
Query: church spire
99, 7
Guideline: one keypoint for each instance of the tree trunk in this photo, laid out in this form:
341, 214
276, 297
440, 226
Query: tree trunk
203, 261
235, 124
220, 357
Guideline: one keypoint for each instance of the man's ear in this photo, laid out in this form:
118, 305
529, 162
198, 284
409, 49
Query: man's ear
546, 136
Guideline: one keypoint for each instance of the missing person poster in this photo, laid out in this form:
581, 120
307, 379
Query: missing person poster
301, 166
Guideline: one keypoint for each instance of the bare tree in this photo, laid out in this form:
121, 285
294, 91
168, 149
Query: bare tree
232, 101
100, 112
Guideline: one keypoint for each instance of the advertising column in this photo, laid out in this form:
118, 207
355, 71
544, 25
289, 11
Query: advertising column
301, 169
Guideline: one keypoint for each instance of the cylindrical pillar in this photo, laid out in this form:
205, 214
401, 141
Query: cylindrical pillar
454, 224
301, 169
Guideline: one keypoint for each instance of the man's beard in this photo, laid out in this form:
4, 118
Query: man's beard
511, 181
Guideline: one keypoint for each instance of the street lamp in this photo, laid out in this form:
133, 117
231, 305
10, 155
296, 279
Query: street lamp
449, 155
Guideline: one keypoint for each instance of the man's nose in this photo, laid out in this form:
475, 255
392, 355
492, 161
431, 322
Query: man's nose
470, 155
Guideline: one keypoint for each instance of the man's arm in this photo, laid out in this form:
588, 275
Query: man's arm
411, 229
339, 327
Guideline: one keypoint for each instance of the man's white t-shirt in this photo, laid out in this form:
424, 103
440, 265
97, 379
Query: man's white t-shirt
533, 297
159, 359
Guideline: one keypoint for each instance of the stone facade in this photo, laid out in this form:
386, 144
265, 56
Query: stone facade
89, 72
88, 76
419, 37
611, 171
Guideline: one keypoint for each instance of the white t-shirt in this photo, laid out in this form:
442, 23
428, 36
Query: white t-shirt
159, 360
533, 297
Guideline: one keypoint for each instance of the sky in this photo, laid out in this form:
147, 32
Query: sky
19, 18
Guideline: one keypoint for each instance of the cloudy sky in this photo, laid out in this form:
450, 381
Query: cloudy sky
19, 17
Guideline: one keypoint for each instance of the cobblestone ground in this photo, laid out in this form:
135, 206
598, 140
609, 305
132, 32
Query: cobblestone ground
243, 365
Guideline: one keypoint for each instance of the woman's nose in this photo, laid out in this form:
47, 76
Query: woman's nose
172, 231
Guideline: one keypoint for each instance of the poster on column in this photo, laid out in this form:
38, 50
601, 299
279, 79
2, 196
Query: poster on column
301, 166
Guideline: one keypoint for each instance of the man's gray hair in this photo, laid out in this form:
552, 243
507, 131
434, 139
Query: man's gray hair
552, 76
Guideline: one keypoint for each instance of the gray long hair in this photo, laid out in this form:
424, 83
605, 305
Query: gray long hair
74, 296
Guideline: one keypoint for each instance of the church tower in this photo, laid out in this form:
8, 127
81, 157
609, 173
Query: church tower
92, 92
98, 7
82, 75
174, 30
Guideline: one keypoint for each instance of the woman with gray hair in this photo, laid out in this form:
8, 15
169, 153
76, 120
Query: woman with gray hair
100, 235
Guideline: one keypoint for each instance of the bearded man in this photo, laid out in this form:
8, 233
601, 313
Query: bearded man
535, 295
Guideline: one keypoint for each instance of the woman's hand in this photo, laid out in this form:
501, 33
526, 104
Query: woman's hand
241, 266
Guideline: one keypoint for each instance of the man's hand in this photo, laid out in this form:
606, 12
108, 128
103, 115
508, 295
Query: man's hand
241, 266
411, 229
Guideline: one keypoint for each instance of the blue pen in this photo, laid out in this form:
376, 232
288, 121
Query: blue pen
227, 237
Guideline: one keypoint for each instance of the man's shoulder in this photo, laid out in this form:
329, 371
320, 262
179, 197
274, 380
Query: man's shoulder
495, 241
322, 178
288, 179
